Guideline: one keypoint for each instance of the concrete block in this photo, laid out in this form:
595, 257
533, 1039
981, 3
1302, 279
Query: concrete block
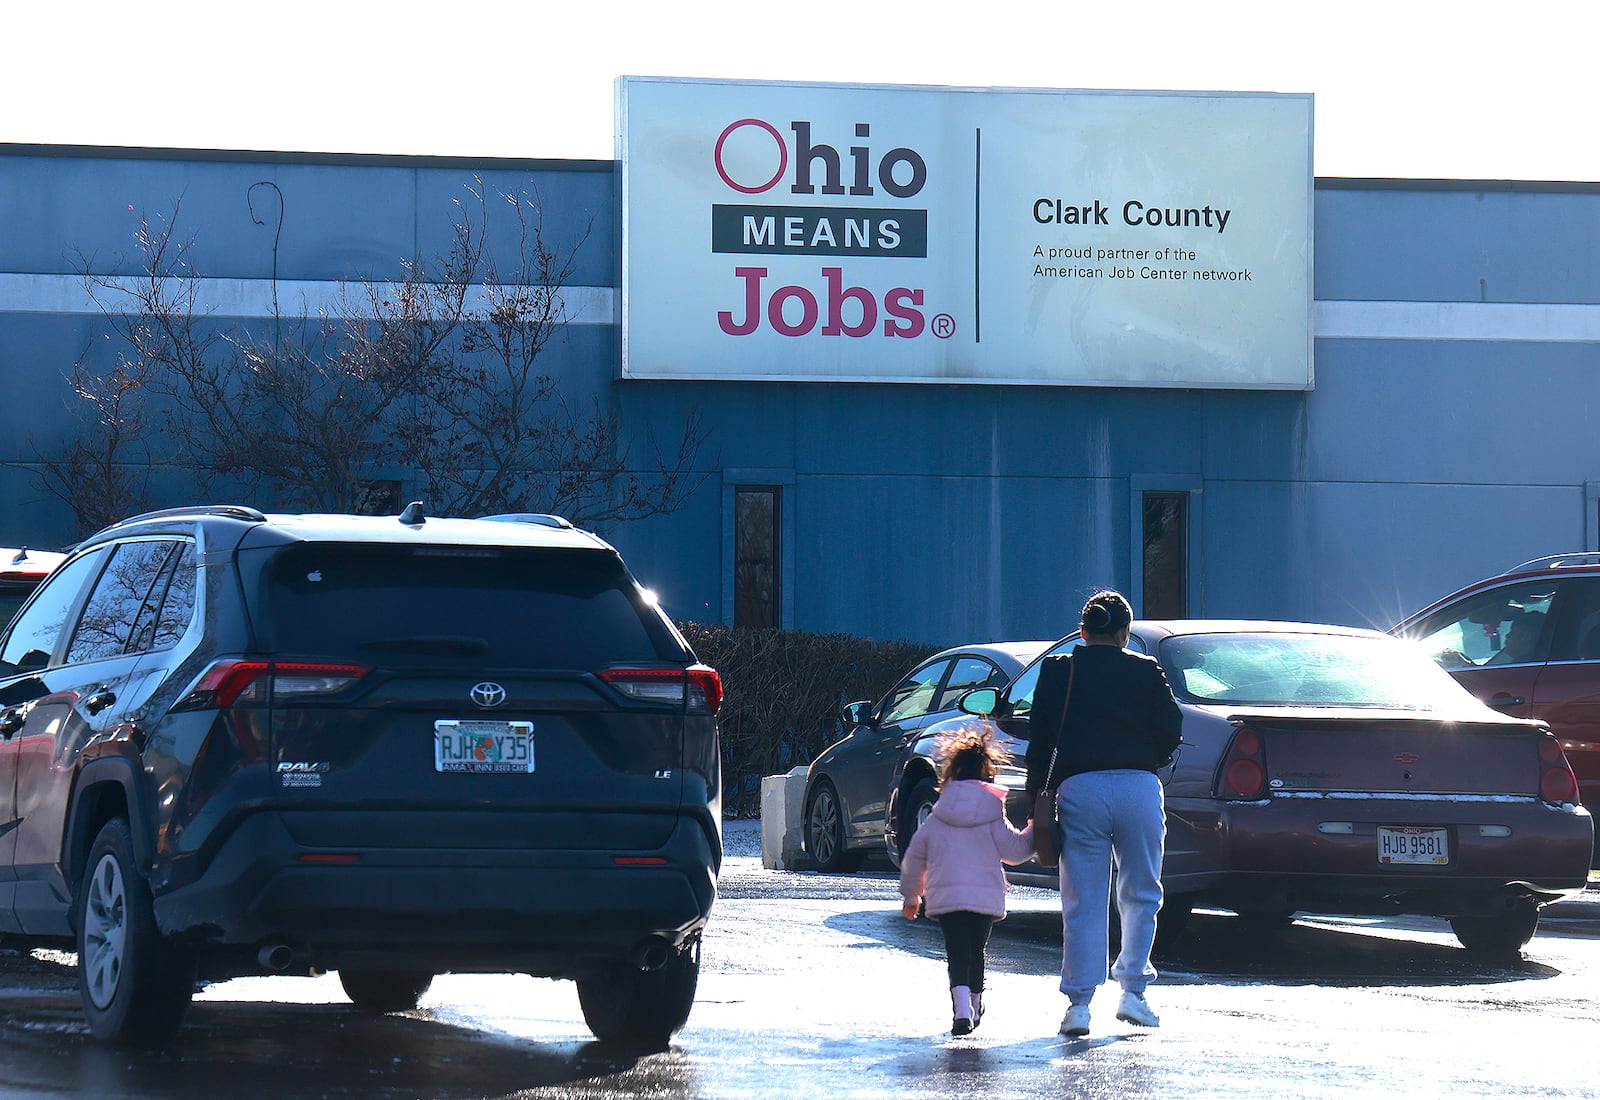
782, 820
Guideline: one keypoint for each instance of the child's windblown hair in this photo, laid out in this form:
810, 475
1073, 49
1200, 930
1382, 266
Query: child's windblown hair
969, 753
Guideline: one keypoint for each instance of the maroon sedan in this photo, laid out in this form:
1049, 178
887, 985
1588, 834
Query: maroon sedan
1336, 770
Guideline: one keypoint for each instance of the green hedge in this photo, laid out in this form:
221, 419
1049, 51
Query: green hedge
783, 690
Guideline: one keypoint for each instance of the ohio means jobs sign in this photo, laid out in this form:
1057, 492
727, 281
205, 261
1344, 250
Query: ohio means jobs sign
810, 232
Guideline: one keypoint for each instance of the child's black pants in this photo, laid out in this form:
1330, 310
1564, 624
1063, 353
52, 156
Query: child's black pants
965, 937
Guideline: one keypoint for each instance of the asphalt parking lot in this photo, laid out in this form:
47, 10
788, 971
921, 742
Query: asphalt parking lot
813, 984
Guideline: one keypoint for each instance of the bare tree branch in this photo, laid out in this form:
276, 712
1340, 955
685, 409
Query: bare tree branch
436, 374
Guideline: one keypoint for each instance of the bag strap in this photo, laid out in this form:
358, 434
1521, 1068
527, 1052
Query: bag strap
1072, 670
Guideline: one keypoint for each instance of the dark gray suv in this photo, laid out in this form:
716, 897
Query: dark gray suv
242, 743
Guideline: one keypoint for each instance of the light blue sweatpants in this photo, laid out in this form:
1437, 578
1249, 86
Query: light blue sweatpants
1106, 815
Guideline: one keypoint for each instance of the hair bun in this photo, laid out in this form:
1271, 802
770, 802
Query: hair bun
1106, 613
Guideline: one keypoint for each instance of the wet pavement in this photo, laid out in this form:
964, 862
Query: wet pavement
814, 985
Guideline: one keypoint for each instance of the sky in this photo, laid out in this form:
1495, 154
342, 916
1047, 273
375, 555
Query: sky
1403, 88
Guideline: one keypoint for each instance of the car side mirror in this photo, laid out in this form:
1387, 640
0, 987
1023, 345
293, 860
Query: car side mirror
983, 702
858, 714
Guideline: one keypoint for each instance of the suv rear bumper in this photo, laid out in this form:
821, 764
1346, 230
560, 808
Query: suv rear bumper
546, 912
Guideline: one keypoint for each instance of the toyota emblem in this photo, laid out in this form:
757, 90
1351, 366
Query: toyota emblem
488, 694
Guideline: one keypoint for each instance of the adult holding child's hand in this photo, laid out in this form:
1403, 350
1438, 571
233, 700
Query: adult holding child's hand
1100, 749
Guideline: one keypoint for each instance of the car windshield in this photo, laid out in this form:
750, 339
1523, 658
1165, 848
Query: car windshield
1304, 669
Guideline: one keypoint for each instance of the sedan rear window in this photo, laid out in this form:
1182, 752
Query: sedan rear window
475, 606
1306, 670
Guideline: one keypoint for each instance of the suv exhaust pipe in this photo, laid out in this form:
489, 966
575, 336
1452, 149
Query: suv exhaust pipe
652, 954
275, 957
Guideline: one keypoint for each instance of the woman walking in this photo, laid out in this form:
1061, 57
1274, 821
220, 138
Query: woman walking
953, 863
1103, 721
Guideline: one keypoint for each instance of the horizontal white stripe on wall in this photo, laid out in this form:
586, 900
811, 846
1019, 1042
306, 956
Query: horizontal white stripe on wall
21, 293
597, 305
1534, 322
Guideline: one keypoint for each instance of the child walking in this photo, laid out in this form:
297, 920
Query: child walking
954, 862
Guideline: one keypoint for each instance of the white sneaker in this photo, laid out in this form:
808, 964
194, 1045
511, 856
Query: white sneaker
1076, 1021
1134, 1009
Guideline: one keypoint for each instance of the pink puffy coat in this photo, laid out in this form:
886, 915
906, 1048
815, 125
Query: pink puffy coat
954, 859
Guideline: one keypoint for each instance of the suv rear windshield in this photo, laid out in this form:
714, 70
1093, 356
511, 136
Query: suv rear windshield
13, 594
488, 606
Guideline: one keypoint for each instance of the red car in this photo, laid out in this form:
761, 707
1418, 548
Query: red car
1333, 770
1527, 643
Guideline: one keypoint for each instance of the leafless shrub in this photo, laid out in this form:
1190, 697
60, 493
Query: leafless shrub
783, 690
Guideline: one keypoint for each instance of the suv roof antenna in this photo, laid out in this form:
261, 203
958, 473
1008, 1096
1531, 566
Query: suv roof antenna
413, 516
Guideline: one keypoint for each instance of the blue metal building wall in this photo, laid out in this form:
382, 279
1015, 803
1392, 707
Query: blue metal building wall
953, 513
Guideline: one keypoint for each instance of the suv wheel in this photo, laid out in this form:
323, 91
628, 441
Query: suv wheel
1498, 937
637, 1008
825, 831
384, 990
135, 983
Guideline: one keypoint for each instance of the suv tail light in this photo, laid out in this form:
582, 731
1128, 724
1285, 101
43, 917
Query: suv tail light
235, 682
1557, 783
705, 689
1242, 775
697, 687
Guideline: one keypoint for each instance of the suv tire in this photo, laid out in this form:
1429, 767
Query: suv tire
135, 983
384, 990
640, 1009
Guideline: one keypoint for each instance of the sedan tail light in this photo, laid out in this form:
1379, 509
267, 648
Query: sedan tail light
1557, 783
1242, 775
233, 682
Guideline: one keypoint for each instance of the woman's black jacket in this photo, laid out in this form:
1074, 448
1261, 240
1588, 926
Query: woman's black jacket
1121, 716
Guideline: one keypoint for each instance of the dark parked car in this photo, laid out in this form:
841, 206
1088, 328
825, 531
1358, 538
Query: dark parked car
1335, 770
20, 573
1527, 643
392, 747
847, 784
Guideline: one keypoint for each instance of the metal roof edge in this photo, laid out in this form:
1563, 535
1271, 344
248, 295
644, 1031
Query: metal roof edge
261, 156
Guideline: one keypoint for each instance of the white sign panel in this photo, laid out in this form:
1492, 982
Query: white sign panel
808, 232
